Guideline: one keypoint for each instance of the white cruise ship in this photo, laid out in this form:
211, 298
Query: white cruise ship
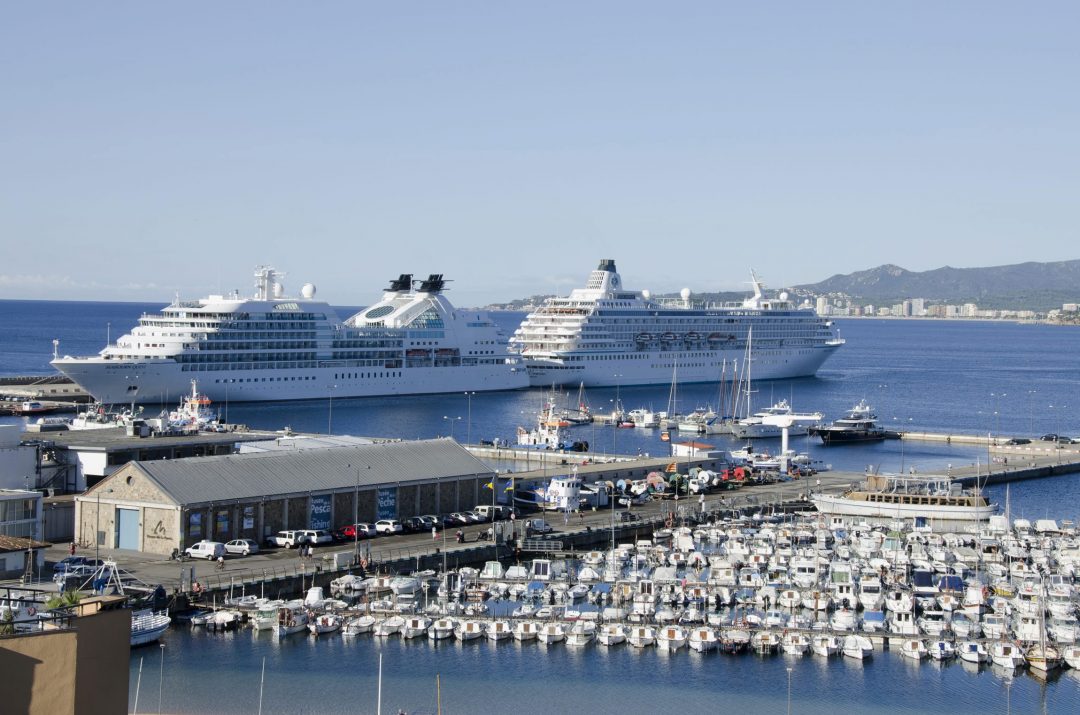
603, 334
275, 347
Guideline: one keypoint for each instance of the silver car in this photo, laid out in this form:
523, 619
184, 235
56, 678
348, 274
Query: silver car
244, 547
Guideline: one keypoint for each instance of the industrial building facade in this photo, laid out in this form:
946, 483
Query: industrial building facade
157, 506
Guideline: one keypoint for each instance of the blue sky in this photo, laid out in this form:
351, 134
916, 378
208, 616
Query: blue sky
148, 148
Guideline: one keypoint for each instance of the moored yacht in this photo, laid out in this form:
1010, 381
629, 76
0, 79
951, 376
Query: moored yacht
858, 425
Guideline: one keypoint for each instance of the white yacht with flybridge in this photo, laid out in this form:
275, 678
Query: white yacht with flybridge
275, 347
603, 334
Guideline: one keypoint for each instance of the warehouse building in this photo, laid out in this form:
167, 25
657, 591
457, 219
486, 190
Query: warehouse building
158, 506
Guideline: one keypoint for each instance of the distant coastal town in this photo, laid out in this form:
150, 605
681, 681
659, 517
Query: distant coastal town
922, 308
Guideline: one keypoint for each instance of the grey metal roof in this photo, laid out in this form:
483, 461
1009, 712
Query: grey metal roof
112, 439
233, 477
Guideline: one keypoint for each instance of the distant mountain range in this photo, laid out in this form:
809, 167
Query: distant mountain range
1023, 286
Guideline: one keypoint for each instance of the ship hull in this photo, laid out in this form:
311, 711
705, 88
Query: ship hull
656, 367
163, 381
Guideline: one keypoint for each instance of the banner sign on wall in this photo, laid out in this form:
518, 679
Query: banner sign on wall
387, 503
320, 512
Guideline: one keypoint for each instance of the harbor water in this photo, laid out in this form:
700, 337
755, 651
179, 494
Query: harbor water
954, 377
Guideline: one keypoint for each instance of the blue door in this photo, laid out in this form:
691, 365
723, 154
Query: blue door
127, 529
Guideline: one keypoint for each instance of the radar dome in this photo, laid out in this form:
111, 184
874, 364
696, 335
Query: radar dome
784, 296
685, 294
646, 294
308, 291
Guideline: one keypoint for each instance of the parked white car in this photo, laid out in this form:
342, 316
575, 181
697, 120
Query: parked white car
388, 526
288, 539
317, 536
208, 550
243, 547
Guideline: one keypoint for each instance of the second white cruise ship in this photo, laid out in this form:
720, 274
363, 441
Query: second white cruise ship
603, 335
275, 347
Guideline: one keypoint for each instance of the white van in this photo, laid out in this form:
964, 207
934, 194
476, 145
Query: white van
208, 550
492, 512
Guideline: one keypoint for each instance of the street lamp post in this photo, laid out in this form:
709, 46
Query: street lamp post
161, 677
997, 411
330, 412
789, 691
468, 422
451, 420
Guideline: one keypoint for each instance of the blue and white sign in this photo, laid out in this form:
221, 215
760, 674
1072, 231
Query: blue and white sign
387, 501
320, 512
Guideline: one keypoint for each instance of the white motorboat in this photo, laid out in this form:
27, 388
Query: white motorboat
147, 626
641, 636
795, 643
469, 629
391, 625
765, 642
499, 630
942, 650
973, 652
264, 618
441, 628
358, 625
325, 623
581, 633
914, 648
415, 627
817, 600
1071, 655
291, 619
526, 630
703, 639
857, 646
825, 645
552, 632
760, 424
671, 638
1007, 654
611, 634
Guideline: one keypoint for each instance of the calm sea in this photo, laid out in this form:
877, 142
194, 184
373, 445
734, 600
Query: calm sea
961, 377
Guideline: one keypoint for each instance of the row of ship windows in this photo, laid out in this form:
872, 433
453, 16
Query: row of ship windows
230, 380
641, 356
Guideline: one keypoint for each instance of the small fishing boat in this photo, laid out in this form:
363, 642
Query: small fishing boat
582, 633
973, 652
499, 630
641, 636
703, 639
611, 634
358, 625
857, 646
324, 624
526, 630
914, 648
